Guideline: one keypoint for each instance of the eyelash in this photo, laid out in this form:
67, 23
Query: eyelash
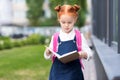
68, 22
63, 22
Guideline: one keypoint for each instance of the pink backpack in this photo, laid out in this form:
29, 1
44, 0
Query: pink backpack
78, 40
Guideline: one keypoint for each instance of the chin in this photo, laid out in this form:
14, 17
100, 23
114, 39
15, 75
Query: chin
67, 31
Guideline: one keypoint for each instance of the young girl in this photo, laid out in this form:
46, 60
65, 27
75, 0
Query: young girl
67, 16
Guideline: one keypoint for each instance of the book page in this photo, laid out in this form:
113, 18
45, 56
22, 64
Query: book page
70, 57
67, 54
67, 57
56, 54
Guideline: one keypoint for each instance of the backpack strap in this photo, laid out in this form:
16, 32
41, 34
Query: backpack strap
78, 39
79, 43
55, 43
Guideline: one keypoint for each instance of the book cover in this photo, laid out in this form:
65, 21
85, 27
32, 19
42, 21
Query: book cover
67, 57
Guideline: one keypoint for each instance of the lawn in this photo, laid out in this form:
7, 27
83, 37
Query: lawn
25, 63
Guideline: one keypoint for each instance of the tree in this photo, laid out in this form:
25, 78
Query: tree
81, 3
34, 11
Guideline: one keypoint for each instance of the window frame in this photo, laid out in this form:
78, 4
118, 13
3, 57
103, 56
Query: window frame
118, 26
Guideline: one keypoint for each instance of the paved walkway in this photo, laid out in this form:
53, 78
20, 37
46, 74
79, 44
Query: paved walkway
89, 71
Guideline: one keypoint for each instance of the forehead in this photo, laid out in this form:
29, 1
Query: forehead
66, 17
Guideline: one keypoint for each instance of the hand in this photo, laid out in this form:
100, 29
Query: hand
48, 52
83, 54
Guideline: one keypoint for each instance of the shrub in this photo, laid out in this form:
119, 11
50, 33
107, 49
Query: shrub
7, 44
24, 42
33, 39
4, 38
42, 39
17, 43
1, 47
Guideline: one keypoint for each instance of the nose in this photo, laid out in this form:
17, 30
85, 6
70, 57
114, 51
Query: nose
66, 24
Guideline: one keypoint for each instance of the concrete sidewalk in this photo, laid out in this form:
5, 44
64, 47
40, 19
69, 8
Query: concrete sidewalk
89, 71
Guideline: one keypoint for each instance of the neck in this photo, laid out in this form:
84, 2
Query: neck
67, 32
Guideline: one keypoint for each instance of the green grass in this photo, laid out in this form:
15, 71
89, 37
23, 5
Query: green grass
25, 63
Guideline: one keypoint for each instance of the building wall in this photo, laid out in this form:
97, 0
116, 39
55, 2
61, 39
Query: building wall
106, 39
5, 12
13, 12
19, 12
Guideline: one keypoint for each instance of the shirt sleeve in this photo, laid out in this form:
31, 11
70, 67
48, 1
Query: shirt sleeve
86, 48
50, 46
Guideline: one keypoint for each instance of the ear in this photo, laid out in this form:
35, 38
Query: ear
76, 7
57, 8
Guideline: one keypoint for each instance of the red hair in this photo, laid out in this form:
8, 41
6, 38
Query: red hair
67, 9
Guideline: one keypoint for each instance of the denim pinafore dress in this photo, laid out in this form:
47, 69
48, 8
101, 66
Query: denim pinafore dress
69, 71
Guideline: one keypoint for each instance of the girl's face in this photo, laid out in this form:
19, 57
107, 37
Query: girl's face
67, 22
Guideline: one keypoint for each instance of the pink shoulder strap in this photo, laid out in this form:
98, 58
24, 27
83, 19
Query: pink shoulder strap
78, 39
79, 44
55, 42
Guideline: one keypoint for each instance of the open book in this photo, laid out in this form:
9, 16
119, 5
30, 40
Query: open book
67, 57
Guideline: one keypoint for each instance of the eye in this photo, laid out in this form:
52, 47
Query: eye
63, 22
69, 22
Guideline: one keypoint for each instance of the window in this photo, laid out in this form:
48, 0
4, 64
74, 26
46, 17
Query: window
118, 26
113, 42
106, 25
115, 20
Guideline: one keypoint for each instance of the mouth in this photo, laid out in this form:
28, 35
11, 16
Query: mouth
66, 28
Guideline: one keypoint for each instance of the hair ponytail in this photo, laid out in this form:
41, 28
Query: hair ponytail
67, 9
57, 8
76, 7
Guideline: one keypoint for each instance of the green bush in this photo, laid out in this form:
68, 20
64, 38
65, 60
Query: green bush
33, 39
42, 39
30, 40
1, 47
24, 42
4, 38
7, 44
17, 43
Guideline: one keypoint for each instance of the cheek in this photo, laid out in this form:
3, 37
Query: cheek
72, 24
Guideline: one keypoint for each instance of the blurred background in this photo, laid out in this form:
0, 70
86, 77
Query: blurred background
27, 25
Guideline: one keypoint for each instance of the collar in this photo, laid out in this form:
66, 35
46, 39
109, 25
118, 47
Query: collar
70, 33
67, 36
